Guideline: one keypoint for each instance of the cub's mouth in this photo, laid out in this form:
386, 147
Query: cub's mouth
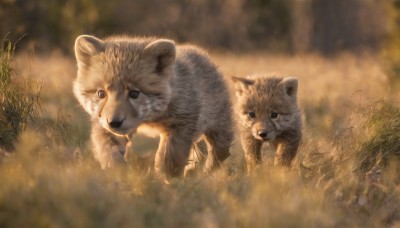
121, 129
266, 139
121, 132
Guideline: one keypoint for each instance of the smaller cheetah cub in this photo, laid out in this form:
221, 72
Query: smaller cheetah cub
267, 112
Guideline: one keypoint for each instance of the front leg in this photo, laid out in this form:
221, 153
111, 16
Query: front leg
286, 151
109, 149
173, 152
252, 150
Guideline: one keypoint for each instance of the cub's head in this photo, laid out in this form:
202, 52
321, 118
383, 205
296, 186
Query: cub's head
267, 105
123, 82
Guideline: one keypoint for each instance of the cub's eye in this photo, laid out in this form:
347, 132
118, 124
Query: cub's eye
251, 115
133, 94
101, 94
274, 115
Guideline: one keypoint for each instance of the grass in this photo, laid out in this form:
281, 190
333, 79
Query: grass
380, 143
346, 173
19, 99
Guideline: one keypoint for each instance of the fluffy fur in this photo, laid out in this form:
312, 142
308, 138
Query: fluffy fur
267, 112
128, 84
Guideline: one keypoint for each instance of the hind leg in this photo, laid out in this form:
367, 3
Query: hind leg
197, 155
218, 144
173, 152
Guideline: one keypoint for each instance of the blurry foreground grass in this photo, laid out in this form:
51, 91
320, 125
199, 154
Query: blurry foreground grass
346, 174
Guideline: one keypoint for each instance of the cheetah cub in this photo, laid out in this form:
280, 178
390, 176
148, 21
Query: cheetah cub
267, 112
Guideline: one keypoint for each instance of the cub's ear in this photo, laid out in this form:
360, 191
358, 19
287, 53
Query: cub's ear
241, 84
161, 51
290, 86
87, 46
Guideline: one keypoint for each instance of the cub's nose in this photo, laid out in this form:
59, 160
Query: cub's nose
262, 133
115, 123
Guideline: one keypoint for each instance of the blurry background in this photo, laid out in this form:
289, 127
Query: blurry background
284, 26
325, 26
